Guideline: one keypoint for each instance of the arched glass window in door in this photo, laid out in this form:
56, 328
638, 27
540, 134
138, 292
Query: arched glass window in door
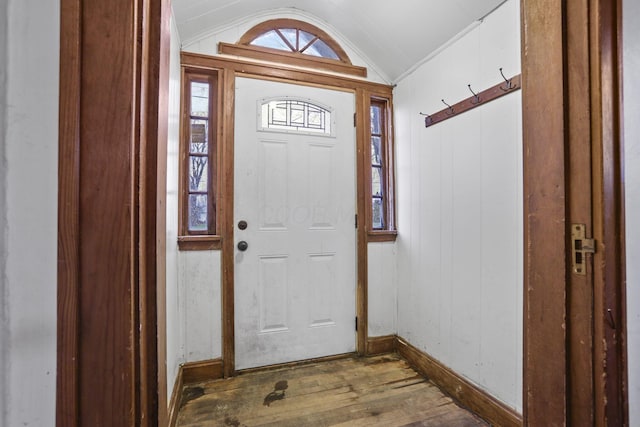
295, 115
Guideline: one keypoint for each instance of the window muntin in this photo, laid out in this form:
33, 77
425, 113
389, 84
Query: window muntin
295, 115
199, 167
295, 40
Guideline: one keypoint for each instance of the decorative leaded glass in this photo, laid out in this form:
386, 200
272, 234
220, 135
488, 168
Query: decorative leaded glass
293, 115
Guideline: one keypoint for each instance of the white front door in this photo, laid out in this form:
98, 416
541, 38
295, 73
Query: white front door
294, 187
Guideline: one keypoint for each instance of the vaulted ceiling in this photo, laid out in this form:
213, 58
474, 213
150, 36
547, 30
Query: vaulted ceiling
394, 35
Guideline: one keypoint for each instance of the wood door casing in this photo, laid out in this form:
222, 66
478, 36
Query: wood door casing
574, 370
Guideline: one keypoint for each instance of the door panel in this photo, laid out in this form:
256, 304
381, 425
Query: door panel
295, 283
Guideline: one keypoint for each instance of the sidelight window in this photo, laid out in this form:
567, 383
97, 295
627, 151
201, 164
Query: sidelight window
199, 165
382, 209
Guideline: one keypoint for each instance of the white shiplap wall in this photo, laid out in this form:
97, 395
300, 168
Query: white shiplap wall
631, 61
459, 189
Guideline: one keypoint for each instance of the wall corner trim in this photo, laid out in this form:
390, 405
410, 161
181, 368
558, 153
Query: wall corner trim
461, 390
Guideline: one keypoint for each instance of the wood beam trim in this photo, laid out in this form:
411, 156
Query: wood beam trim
281, 72
298, 59
470, 396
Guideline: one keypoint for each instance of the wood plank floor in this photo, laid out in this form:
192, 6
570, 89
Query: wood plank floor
374, 391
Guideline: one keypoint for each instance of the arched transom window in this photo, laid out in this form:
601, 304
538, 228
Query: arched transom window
295, 43
294, 36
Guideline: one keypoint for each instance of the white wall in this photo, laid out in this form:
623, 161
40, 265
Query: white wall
459, 192
200, 305
382, 275
194, 310
29, 236
4, 314
174, 353
208, 44
631, 60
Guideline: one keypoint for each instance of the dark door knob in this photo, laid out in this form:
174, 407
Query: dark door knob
242, 246
242, 225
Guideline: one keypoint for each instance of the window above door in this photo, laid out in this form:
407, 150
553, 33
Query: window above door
293, 42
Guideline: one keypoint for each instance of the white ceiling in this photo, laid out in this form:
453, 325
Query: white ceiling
394, 35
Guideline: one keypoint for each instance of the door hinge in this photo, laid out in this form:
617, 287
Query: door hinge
356, 323
356, 220
580, 246
354, 120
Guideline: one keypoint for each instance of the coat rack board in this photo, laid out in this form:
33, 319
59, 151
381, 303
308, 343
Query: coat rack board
477, 99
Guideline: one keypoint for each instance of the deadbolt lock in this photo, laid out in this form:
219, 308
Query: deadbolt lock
580, 246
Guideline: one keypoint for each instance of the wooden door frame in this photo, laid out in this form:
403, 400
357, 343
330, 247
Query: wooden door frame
228, 70
572, 109
123, 384
111, 358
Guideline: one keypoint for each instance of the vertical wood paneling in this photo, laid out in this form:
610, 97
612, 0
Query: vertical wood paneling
460, 224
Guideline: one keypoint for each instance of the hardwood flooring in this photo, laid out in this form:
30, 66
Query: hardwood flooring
373, 391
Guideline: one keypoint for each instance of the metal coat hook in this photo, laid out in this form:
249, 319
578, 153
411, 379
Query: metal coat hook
427, 119
476, 98
450, 107
509, 85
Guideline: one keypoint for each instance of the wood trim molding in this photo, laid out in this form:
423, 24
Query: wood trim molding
225, 213
382, 236
109, 365
199, 243
191, 373
301, 60
271, 24
204, 370
174, 402
67, 393
282, 72
469, 395
363, 153
545, 242
381, 345
610, 329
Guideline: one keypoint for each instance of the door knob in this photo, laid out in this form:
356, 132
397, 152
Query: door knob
242, 246
242, 225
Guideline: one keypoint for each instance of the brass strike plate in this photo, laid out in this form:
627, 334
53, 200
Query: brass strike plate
580, 246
